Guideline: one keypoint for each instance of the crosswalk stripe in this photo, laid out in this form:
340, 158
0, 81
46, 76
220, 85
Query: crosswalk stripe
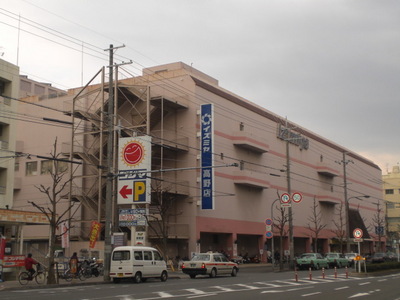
250, 287
268, 284
224, 289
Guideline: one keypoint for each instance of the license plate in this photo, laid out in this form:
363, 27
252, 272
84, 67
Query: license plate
120, 274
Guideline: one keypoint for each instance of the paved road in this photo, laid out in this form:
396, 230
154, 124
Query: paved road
250, 283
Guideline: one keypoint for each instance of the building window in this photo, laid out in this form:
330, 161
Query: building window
16, 167
46, 167
31, 168
62, 166
389, 191
390, 205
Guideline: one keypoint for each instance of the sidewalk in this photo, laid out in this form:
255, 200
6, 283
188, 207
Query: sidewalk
14, 284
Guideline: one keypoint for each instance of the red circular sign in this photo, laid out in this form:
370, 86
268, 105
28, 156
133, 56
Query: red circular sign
133, 153
296, 197
285, 198
357, 233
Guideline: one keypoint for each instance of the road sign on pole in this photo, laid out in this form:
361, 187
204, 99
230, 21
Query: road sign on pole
357, 233
285, 200
269, 234
297, 197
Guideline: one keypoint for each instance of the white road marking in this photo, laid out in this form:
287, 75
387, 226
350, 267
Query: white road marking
359, 295
311, 294
196, 291
250, 287
341, 288
364, 283
165, 295
268, 284
287, 282
224, 289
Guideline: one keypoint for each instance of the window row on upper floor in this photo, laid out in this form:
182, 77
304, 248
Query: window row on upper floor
46, 167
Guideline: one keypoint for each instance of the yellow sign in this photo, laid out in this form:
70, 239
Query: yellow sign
358, 257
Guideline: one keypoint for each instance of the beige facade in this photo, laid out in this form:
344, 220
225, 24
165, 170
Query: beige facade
9, 88
164, 103
391, 187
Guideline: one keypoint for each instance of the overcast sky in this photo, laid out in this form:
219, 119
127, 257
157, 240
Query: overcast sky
330, 66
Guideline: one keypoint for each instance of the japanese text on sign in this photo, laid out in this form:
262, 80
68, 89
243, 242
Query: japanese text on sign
207, 172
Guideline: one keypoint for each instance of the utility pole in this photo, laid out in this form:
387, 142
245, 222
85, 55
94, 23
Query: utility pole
346, 200
291, 240
110, 190
110, 177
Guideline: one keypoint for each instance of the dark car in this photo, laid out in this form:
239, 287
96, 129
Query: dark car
379, 257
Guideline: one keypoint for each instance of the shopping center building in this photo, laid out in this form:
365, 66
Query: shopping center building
257, 157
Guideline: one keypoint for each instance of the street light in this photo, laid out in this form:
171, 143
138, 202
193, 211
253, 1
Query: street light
347, 200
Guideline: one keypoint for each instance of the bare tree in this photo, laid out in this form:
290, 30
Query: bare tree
161, 212
379, 225
51, 208
315, 224
280, 223
340, 225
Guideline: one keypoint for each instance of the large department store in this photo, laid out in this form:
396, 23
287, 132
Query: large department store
251, 150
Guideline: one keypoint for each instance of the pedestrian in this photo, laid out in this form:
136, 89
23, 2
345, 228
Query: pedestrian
73, 263
277, 256
29, 262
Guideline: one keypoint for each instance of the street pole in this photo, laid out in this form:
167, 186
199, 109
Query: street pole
110, 177
273, 236
291, 241
346, 201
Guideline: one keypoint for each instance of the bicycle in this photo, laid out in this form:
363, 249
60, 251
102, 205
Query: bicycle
68, 275
39, 276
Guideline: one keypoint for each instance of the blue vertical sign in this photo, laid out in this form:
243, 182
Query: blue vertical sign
207, 172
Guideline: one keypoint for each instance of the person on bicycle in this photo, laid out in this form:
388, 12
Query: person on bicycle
73, 263
29, 262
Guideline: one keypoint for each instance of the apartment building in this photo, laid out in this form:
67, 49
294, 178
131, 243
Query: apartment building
251, 151
391, 188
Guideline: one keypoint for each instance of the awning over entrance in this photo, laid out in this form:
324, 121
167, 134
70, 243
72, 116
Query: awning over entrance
356, 221
11, 216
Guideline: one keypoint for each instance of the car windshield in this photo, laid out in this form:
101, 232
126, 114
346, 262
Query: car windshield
307, 256
379, 254
332, 255
201, 257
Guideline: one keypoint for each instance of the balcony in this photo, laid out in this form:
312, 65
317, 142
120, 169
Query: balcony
170, 140
171, 184
17, 183
3, 145
250, 179
249, 141
327, 170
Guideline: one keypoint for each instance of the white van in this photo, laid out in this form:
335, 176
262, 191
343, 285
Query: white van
138, 263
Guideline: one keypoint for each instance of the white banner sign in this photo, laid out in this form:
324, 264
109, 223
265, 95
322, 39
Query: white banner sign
133, 164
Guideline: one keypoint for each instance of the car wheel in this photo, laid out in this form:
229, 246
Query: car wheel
234, 272
192, 276
339, 265
164, 276
137, 278
213, 273
316, 267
